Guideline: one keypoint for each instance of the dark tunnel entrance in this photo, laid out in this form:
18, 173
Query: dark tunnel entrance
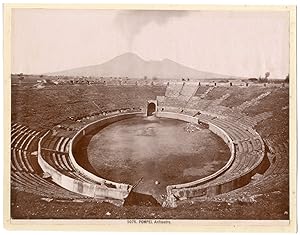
151, 109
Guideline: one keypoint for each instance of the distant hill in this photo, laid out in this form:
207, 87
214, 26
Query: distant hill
132, 66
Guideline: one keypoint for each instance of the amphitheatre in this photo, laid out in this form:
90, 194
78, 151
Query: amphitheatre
151, 148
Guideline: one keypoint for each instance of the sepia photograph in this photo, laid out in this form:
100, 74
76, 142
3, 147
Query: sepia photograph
150, 115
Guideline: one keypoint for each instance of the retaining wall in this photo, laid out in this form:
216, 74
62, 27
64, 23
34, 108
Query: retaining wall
177, 116
199, 188
78, 186
89, 129
218, 131
118, 191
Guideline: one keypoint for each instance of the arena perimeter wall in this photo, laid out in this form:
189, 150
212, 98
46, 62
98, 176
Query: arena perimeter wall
215, 129
190, 189
98, 189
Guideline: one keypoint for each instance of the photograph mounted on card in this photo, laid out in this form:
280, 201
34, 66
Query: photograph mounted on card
150, 117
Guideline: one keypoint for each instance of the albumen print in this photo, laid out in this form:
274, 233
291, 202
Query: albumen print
150, 116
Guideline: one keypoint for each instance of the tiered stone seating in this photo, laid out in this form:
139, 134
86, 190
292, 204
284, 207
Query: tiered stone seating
55, 152
250, 151
14, 161
190, 112
16, 134
172, 109
204, 118
201, 90
160, 100
237, 133
249, 148
33, 183
101, 114
188, 90
249, 154
15, 130
252, 121
220, 100
246, 120
206, 92
173, 89
252, 102
273, 179
233, 114
198, 103
217, 110
173, 102
279, 154
29, 142
239, 178
26, 174
22, 139
58, 161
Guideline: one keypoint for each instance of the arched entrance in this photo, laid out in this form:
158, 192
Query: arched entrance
151, 108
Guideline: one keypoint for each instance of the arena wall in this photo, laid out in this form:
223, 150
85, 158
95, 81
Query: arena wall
206, 186
78, 186
177, 116
91, 128
118, 191
218, 131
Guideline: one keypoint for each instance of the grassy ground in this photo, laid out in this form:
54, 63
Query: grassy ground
49, 106
29, 206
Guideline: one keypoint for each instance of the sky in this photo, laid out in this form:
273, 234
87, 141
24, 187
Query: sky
231, 43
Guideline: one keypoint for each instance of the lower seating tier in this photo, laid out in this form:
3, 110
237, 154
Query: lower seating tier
249, 156
35, 184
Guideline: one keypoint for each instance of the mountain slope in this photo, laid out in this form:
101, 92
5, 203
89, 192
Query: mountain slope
132, 66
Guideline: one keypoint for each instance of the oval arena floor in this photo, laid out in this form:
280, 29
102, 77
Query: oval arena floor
155, 149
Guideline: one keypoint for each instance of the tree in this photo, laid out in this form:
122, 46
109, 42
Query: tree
267, 74
265, 79
287, 78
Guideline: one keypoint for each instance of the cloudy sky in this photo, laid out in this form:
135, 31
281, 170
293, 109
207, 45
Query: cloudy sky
231, 43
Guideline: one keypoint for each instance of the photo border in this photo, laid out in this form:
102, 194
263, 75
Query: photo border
176, 225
